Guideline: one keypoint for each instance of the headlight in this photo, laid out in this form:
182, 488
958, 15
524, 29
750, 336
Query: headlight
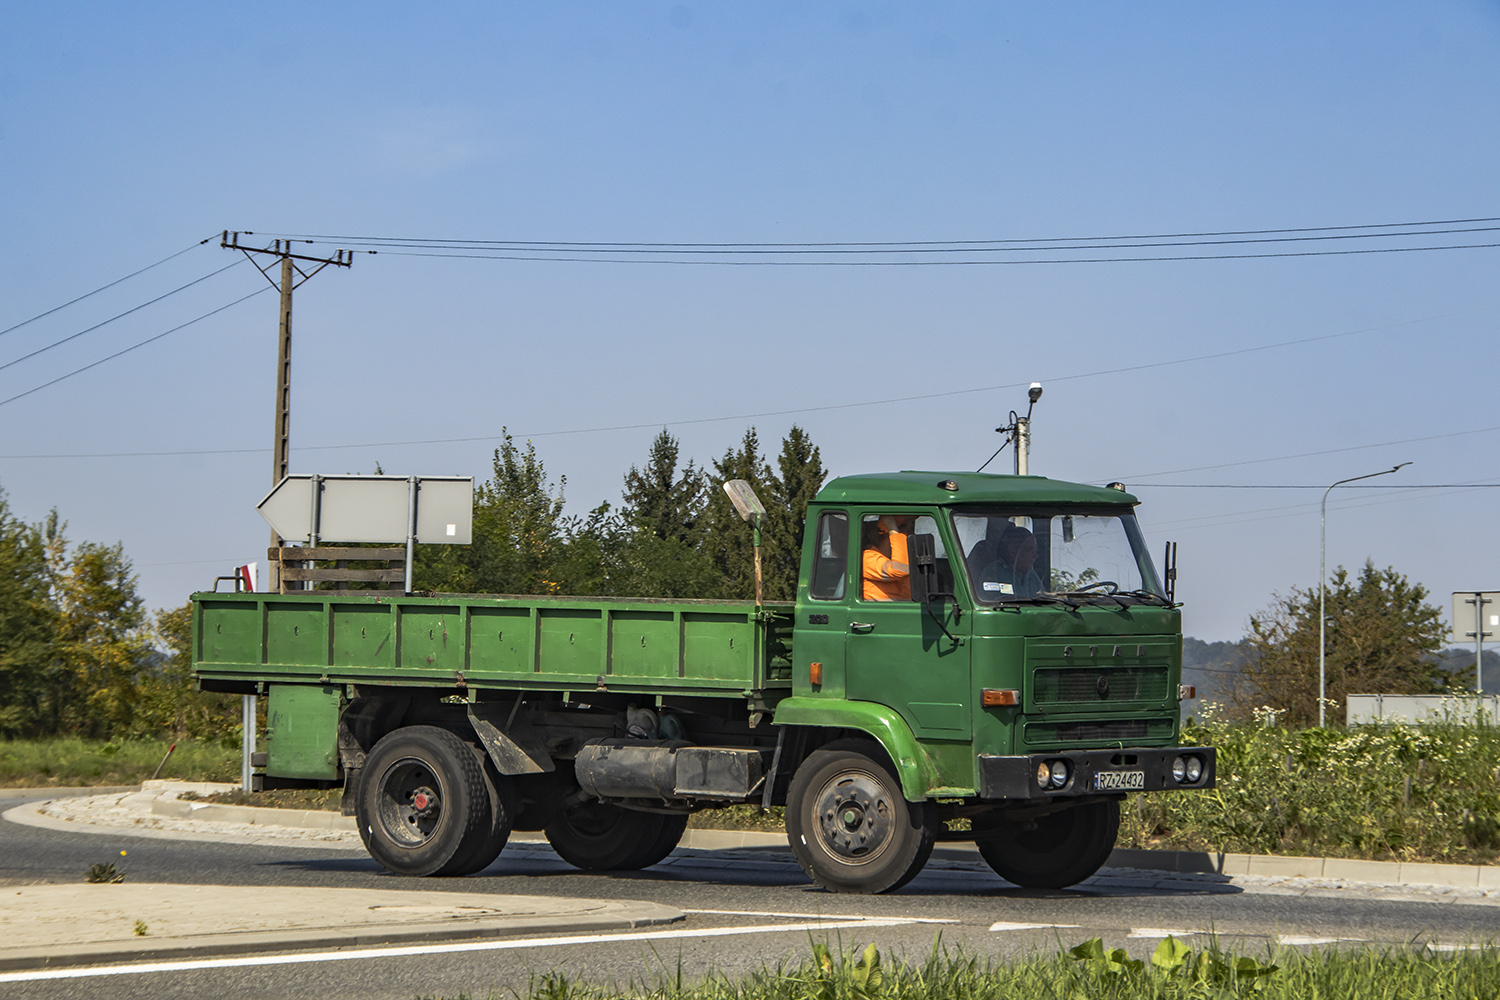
1194, 769
1043, 774
1179, 769
1059, 773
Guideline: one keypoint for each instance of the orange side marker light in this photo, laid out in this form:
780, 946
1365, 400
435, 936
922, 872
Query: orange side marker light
998, 697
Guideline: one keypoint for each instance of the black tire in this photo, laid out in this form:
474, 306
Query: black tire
597, 836
850, 827
1053, 851
422, 800
488, 840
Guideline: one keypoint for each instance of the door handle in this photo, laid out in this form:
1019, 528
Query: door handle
861, 627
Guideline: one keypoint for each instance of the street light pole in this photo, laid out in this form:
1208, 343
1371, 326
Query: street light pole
1323, 584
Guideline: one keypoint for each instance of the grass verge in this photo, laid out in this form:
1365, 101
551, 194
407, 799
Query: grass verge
1088, 971
63, 763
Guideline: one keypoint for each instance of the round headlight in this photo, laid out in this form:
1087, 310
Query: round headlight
1059, 773
1043, 774
1179, 769
1194, 769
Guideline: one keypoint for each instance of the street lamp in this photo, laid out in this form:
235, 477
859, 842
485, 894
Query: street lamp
1323, 583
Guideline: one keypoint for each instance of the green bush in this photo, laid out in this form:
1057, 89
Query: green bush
1394, 792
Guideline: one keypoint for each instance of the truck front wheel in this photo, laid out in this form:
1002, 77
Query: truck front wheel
423, 804
1052, 851
597, 836
849, 825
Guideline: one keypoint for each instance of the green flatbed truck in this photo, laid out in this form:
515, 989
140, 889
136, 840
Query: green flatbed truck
1022, 671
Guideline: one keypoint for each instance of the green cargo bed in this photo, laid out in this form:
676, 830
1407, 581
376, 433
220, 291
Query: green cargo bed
645, 645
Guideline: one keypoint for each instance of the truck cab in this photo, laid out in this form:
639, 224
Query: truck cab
1008, 643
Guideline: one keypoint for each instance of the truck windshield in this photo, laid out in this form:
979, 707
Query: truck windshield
1022, 554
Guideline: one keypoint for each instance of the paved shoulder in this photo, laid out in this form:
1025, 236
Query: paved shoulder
132, 922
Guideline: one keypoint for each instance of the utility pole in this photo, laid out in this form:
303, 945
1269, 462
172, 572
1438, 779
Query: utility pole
292, 276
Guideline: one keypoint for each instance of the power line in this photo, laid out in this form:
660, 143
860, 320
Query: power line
127, 312
132, 347
1306, 454
935, 263
895, 243
101, 288
826, 407
997, 246
1317, 486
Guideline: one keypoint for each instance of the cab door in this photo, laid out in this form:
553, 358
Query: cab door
896, 654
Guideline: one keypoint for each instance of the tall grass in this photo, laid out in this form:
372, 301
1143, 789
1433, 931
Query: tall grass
1089, 971
1377, 792
65, 762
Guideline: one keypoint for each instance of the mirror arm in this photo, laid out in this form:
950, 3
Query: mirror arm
939, 597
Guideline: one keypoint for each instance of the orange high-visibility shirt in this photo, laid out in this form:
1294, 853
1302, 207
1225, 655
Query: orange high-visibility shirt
883, 579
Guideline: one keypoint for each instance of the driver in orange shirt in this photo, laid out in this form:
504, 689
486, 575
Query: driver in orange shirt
883, 562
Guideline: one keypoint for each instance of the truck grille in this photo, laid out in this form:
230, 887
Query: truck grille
1071, 685
1092, 731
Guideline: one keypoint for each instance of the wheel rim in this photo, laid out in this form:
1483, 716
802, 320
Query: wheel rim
411, 802
855, 817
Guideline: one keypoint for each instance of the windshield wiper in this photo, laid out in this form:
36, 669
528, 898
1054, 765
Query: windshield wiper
1049, 598
1147, 596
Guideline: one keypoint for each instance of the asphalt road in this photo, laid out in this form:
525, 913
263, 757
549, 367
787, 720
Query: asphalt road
747, 910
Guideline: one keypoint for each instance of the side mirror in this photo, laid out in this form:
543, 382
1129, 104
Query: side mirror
921, 551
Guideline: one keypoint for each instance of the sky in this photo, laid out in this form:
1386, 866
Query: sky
130, 134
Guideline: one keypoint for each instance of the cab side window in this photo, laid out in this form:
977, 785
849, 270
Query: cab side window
884, 574
830, 557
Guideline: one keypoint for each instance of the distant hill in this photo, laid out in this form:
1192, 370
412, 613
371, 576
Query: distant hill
1460, 659
1211, 667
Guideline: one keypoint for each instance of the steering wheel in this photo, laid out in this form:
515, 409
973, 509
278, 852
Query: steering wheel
1114, 588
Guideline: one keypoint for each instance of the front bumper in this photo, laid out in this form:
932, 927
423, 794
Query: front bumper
1014, 778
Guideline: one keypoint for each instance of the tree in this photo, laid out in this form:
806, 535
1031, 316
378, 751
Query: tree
658, 500
518, 533
101, 642
1382, 637
728, 541
799, 476
27, 625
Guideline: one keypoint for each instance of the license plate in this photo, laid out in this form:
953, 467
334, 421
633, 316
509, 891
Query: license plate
1120, 781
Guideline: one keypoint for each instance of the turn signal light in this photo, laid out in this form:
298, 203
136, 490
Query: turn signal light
1186, 691
815, 673
1001, 697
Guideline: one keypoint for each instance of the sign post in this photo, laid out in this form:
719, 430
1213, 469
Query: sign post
1476, 616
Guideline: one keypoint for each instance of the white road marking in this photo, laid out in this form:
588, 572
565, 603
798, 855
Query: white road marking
1159, 932
432, 949
1434, 946
1001, 925
1301, 940
855, 917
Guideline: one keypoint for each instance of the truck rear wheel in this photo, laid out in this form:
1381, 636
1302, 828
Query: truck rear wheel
422, 801
849, 825
488, 840
597, 836
1052, 851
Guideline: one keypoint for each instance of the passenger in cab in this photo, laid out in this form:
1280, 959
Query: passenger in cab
884, 570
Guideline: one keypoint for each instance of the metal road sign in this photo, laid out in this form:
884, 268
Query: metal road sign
319, 509
1465, 606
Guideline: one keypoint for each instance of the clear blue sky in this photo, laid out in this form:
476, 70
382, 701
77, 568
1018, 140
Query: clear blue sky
128, 133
